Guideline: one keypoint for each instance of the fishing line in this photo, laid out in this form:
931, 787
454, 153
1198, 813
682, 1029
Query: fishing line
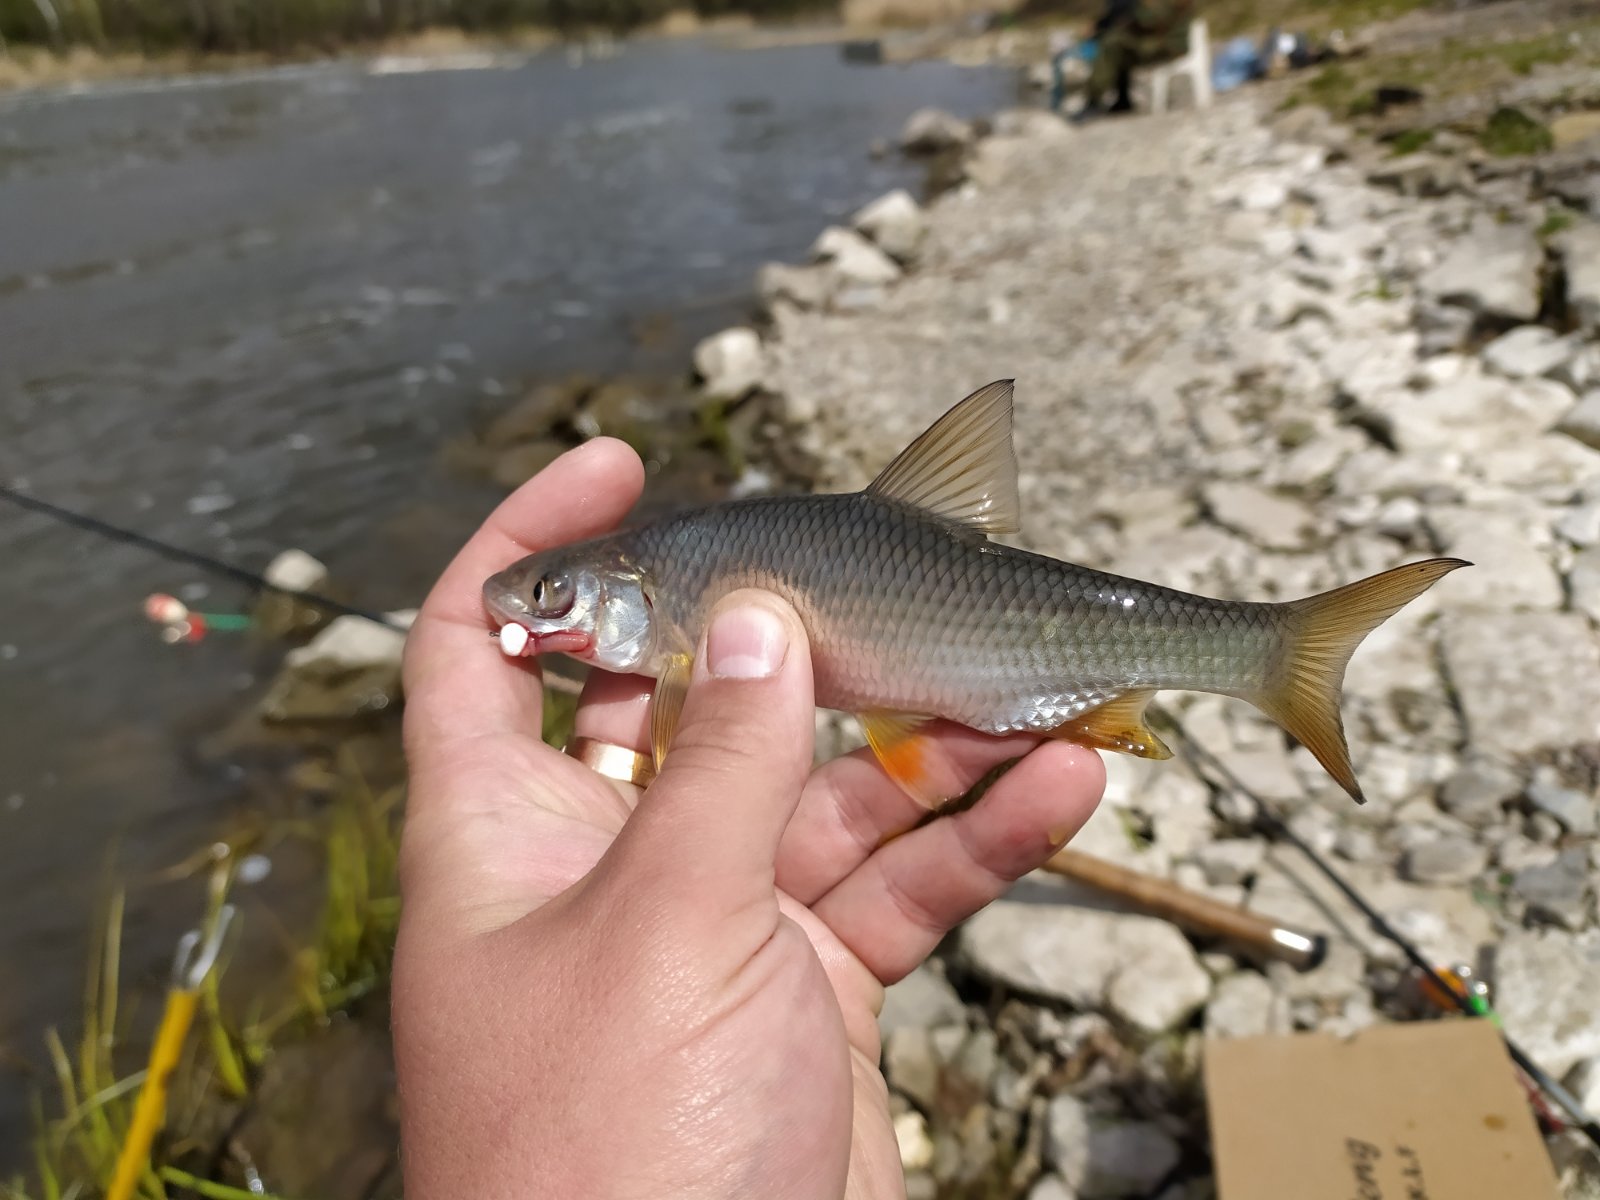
1274, 827
192, 557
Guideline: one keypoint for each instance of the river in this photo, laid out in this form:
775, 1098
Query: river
242, 313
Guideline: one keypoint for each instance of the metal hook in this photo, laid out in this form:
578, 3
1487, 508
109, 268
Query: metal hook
198, 951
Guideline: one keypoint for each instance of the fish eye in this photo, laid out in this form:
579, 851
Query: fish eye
552, 595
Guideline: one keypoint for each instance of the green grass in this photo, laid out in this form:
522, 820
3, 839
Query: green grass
1557, 220
345, 958
1510, 132
1410, 141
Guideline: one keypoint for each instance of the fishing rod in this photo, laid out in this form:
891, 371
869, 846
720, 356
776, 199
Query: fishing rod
193, 558
1462, 998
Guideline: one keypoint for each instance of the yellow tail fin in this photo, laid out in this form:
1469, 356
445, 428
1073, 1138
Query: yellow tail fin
1322, 633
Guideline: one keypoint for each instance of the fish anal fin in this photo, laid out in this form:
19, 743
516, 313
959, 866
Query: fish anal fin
1118, 725
963, 468
672, 685
1320, 635
905, 751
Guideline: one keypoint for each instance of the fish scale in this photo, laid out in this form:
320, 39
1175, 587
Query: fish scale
913, 613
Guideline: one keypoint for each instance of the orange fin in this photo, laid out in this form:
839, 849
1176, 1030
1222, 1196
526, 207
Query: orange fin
1116, 725
904, 751
1322, 633
666, 705
963, 468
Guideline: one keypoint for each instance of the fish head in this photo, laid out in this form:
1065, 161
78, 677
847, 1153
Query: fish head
587, 601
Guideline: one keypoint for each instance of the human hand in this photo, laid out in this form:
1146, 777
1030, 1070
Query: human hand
602, 992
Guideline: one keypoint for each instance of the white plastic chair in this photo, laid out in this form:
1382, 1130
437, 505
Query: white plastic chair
1196, 65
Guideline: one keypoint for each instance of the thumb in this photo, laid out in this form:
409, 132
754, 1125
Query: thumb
742, 750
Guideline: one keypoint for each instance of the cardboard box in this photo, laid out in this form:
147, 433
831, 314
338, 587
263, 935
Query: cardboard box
1427, 1111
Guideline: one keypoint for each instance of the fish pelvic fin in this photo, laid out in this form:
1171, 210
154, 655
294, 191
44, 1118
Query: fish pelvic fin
1323, 632
667, 704
1118, 725
963, 468
905, 752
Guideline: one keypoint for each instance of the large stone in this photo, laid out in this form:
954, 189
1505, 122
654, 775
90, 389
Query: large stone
916, 1147
1493, 271
854, 259
804, 288
1448, 858
1507, 571
932, 130
1246, 1004
1421, 175
1583, 583
1103, 1158
1267, 519
1528, 350
296, 571
911, 1067
1582, 420
921, 1000
730, 363
1478, 793
1575, 810
1545, 988
895, 223
1580, 255
350, 669
1556, 892
1468, 417
1525, 681
1140, 967
1571, 128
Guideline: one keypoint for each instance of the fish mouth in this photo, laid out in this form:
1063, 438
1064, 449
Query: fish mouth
520, 637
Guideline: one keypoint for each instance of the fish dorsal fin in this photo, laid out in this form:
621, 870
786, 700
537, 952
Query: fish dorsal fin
963, 468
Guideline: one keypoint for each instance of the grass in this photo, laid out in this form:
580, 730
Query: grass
1410, 141
1510, 132
1557, 220
346, 958
1451, 67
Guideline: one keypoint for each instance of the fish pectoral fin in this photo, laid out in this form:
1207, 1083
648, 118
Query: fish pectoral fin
963, 468
671, 688
1117, 724
905, 752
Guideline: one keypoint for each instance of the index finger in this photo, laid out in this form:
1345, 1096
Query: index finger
456, 684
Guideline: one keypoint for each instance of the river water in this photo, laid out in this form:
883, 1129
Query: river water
242, 313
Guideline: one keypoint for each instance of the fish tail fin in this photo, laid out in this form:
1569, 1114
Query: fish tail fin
1321, 634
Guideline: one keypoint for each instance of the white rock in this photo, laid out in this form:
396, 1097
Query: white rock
1580, 254
854, 259
803, 287
1447, 859
916, 1147
1276, 522
1583, 1082
296, 571
1142, 968
1246, 1004
1051, 1187
895, 222
1525, 681
1103, 1158
1507, 571
1232, 860
1583, 582
350, 643
931, 130
1493, 271
1546, 984
1582, 420
921, 1000
731, 363
1528, 350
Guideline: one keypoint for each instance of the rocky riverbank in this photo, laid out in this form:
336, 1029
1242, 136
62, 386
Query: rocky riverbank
1256, 356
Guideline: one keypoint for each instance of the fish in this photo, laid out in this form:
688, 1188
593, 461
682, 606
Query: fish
915, 613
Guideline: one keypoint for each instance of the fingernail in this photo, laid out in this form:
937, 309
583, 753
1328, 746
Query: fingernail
749, 642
